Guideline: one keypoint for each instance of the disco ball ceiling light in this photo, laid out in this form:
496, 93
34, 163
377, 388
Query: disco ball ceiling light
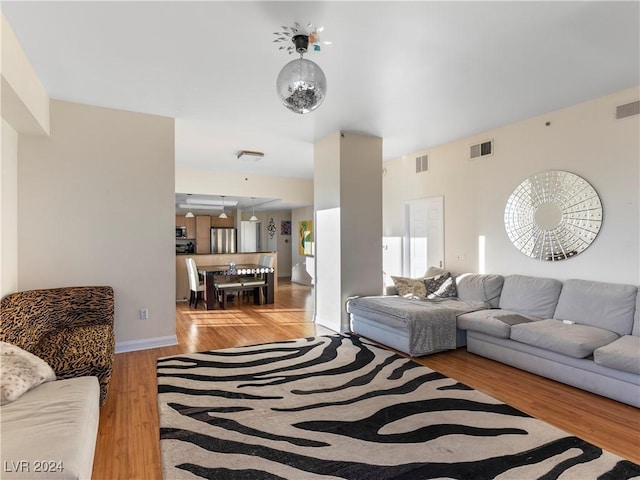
301, 84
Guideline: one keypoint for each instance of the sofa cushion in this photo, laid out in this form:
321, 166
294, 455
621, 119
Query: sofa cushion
55, 422
496, 323
531, 295
623, 354
20, 371
94, 347
599, 304
441, 286
480, 287
433, 271
578, 341
410, 287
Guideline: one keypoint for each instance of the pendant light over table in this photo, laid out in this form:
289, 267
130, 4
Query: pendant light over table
222, 215
253, 211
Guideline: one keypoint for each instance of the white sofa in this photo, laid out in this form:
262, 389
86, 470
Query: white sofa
50, 432
582, 333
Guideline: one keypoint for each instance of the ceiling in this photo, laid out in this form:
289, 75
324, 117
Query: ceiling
200, 204
417, 74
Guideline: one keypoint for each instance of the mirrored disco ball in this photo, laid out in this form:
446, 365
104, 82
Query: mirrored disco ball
301, 85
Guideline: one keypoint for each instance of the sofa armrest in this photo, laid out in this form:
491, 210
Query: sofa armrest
26, 317
71, 328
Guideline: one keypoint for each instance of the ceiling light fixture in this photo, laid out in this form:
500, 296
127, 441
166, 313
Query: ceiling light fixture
301, 84
222, 215
250, 155
189, 214
196, 202
253, 211
199, 207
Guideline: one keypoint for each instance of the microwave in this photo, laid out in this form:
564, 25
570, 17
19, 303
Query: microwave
181, 232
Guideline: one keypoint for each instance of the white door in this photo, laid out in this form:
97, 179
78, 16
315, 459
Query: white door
248, 237
424, 235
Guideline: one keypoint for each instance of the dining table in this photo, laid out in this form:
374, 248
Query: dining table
209, 272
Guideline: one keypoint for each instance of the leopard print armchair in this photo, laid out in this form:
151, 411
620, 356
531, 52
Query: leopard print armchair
70, 328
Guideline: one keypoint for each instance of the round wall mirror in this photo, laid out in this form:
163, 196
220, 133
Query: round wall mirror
553, 215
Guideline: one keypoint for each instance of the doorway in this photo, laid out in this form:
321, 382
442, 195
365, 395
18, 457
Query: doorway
424, 235
250, 236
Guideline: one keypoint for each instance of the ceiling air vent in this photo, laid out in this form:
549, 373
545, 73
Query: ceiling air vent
422, 163
628, 110
482, 149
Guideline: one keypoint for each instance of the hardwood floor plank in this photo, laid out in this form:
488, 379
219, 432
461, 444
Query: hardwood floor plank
128, 445
606, 423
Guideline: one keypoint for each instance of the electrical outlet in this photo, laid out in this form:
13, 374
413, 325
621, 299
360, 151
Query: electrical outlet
144, 314
461, 256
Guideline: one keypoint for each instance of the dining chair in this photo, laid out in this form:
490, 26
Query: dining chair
266, 261
259, 281
225, 286
195, 286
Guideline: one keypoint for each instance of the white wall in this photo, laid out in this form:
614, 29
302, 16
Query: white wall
584, 139
329, 299
301, 268
96, 207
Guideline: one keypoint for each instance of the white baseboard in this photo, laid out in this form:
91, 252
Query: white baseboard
145, 344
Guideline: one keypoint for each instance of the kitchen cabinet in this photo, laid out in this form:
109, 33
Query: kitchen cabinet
203, 234
191, 227
189, 223
223, 222
199, 228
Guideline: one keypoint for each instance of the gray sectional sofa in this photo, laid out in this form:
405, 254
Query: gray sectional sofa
582, 333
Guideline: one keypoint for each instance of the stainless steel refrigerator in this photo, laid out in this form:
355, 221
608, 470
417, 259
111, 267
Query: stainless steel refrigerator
223, 240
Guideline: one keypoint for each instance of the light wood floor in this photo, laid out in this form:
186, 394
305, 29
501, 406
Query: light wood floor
128, 445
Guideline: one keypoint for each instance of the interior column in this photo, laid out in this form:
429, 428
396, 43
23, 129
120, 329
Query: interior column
347, 223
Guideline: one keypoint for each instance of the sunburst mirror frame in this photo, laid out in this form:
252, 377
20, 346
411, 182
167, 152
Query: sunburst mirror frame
553, 215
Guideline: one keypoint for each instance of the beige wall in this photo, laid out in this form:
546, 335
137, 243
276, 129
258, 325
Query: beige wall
25, 103
297, 191
584, 139
96, 207
347, 223
8, 210
25, 110
279, 243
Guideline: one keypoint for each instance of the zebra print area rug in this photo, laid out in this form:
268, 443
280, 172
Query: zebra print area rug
339, 407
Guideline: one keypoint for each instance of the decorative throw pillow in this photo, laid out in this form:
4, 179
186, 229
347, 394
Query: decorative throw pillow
20, 371
441, 286
433, 272
410, 287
